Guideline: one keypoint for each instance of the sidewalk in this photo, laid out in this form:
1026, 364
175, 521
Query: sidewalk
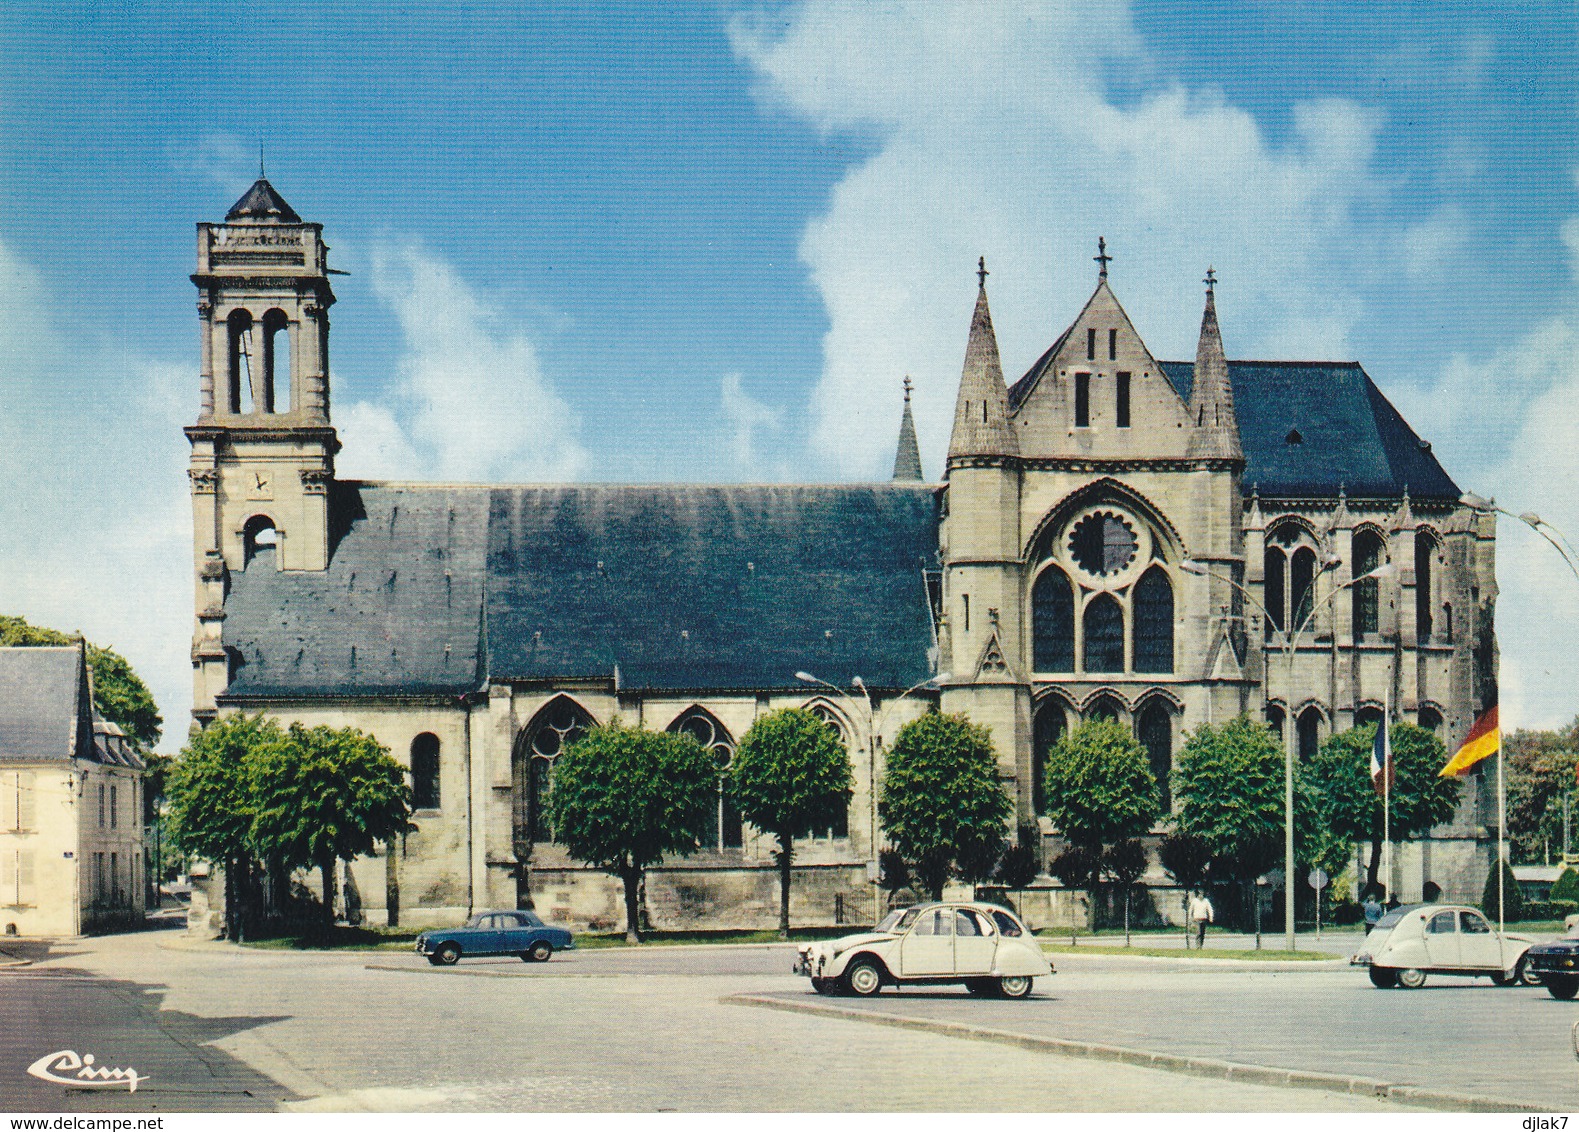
1337, 942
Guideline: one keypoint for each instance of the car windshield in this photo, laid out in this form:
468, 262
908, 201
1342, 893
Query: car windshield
1391, 919
898, 920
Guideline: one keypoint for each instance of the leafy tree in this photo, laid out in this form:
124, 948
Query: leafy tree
1512, 898
213, 801
790, 772
1023, 860
942, 805
893, 871
1125, 862
1540, 773
324, 795
1230, 781
1567, 886
1185, 857
1350, 807
1079, 866
1099, 785
624, 798
118, 693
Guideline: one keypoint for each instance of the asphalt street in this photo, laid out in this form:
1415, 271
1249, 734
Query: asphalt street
223, 1028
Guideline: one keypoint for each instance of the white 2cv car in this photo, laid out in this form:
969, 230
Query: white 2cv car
1414, 941
983, 946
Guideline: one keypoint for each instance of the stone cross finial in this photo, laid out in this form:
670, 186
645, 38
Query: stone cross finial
1210, 280
1102, 257
981, 271
908, 386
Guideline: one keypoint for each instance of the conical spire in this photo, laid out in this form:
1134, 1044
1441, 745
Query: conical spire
262, 202
981, 415
1216, 429
907, 459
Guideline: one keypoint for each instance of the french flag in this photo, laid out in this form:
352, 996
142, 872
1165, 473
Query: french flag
1383, 773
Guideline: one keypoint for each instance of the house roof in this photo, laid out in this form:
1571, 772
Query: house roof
1348, 434
45, 709
263, 202
671, 587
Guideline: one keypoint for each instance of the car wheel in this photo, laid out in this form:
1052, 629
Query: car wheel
825, 986
1562, 986
539, 951
1411, 978
1384, 978
1014, 986
434, 960
864, 978
981, 987
445, 955
1524, 975
1503, 979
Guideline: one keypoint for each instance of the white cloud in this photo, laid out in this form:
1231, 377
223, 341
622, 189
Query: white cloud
471, 403
748, 419
85, 546
997, 138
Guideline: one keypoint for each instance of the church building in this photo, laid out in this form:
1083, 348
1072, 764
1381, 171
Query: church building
1163, 543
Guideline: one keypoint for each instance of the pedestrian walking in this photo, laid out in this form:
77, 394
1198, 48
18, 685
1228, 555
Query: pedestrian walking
1201, 914
1373, 911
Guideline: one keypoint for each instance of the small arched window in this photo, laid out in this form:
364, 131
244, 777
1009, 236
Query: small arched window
1276, 563
276, 362
1105, 707
1155, 732
1431, 719
1368, 716
257, 537
1274, 721
1154, 622
241, 360
425, 771
1104, 634
1049, 728
1367, 594
1309, 733
1053, 622
725, 828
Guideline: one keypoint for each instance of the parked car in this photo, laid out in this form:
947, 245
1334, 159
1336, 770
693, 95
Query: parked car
983, 946
1417, 940
521, 934
1556, 962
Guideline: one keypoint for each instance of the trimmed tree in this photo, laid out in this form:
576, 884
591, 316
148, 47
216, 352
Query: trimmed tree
1566, 886
942, 805
325, 795
624, 798
212, 801
790, 773
1185, 857
1350, 806
1100, 790
1512, 908
1125, 862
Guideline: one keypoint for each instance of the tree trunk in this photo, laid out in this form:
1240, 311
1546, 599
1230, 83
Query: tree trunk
786, 860
326, 871
1373, 870
391, 884
631, 875
232, 901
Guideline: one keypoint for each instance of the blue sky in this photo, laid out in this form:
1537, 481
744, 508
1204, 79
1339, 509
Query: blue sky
616, 242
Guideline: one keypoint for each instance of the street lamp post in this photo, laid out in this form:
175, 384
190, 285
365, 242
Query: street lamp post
1530, 519
873, 718
1290, 640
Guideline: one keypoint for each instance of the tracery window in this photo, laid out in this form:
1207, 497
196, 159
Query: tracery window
1153, 622
1103, 544
1104, 634
841, 822
561, 723
1367, 594
725, 828
1053, 622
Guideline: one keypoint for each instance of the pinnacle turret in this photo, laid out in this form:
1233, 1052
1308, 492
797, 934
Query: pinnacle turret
981, 415
1215, 432
907, 459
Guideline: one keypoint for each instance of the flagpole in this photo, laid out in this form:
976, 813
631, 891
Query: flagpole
1502, 827
1387, 797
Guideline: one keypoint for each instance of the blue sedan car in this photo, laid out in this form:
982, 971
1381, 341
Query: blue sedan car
521, 934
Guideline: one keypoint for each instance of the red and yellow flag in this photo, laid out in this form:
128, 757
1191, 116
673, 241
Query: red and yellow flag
1484, 740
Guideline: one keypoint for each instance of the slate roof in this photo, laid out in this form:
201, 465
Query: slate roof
45, 712
1350, 435
263, 202
399, 610
673, 587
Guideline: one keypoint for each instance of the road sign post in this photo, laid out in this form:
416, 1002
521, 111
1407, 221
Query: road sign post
1318, 881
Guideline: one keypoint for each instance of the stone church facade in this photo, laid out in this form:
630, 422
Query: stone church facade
1114, 536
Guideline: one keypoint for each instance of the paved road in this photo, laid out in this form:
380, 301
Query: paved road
595, 1030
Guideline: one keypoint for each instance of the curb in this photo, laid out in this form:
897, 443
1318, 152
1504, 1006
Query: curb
490, 973
1331, 964
1176, 1063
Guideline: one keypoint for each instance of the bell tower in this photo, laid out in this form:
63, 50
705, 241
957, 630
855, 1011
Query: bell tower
262, 449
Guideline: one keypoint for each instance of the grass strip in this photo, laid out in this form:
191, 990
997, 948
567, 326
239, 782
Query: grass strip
1180, 953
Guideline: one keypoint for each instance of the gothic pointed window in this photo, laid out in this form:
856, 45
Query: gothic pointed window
1276, 562
1049, 728
1105, 707
1053, 622
1302, 584
1367, 594
1154, 622
1155, 732
559, 724
841, 822
725, 829
1425, 559
1309, 728
1104, 634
